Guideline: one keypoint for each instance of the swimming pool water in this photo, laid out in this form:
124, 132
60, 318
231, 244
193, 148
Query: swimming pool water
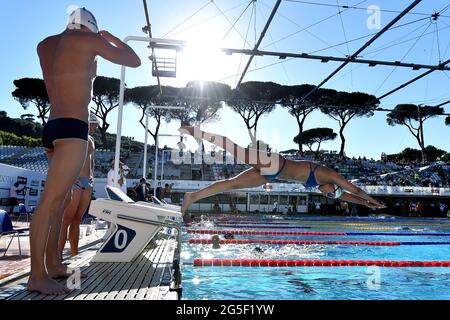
292, 283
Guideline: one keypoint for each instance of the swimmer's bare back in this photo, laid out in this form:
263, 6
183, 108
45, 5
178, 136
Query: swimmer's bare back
68, 62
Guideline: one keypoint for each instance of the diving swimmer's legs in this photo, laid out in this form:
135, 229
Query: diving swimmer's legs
65, 163
247, 179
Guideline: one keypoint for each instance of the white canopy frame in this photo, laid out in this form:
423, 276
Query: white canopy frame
122, 97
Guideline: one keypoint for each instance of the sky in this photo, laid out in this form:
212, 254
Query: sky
299, 27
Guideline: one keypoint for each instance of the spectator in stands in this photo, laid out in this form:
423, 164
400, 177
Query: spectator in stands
311, 206
13, 194
353, 210
142, 190
167, 193
318, 207
159, 192
81, 196
344, 208
418, 209
270, 166
275, 207
412, 208
442, 208
294, 205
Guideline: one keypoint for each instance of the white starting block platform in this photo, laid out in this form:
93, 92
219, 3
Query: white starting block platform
133, 224
139, 259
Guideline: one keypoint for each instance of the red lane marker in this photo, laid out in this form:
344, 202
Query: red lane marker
261, 232
302, 242
315, 263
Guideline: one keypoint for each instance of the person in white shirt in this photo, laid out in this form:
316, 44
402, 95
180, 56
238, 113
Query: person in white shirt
123, 171
13, 196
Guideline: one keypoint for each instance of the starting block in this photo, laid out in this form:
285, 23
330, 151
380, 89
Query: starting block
134, 224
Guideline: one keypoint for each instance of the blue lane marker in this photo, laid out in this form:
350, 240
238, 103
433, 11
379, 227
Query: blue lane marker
396, 234
423, 243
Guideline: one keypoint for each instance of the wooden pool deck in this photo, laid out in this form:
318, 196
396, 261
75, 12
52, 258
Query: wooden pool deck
148, 277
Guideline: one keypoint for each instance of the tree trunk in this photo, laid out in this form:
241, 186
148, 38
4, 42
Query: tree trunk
341, 135
300, 140
300, 132
422, 146
318, 150
103, 137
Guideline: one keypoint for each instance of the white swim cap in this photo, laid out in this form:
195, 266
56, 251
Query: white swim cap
93, 118
84, 17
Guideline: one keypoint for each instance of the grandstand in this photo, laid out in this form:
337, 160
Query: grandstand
361, 171
28, 158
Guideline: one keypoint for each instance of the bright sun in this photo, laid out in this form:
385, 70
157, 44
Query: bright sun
201, 59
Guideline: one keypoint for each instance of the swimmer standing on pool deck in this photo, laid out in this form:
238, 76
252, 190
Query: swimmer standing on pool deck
68, 62
267, 167
81, 196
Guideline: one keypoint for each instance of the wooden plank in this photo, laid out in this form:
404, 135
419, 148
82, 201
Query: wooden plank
25, 295
131, 286
88, 285
149, 274
129, 275
95, 286
140, 279
166, 261
153, 281
92, 271
103, 288
164, 292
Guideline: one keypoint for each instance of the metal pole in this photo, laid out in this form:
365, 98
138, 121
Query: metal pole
144, 169
119, 124
156, 167
368, 43
443, 64
326, 59
162, 167
261, 37
121, 103
149, 27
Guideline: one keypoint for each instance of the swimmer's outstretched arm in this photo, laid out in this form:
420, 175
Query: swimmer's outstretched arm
358, 200
352, 189
349, 196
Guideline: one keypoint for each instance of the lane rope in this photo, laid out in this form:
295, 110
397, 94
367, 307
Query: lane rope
314, 263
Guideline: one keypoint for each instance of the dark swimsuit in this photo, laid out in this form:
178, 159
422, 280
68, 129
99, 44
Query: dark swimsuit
64, 128
311, 182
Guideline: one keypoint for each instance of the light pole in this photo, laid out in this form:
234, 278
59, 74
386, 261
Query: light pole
144, 167
155, 171
162, 164
122, 98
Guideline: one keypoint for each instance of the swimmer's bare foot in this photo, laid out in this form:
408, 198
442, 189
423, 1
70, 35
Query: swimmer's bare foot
62, 271
187, 201
46, 286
